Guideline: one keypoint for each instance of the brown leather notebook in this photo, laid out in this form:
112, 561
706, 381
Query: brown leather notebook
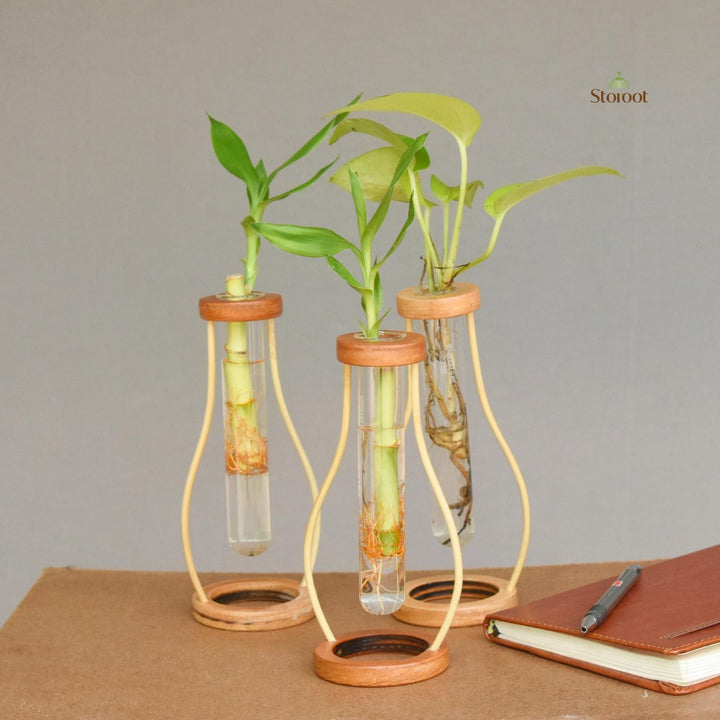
663, 635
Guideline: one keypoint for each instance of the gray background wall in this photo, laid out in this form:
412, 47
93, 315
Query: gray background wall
599, 321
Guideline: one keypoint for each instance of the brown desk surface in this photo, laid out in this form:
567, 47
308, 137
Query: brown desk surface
87, 645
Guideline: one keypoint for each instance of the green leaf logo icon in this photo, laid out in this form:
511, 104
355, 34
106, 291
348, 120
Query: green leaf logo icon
619, 83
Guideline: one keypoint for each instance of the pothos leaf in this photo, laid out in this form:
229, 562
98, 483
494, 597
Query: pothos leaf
456, 116
502, 199
422, 157
368, 127
449, 193
375, 170
375, 129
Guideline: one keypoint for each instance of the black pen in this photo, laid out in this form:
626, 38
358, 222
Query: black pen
610, 598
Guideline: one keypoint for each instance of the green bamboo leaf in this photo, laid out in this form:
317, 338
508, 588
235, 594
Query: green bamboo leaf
230, 150
372, 332
449, 193
422, 157
263, 181
378, 290
302, 186
305, 241
400, 236
261, 172
359, 201
312, 143
375, 170
502, 199
456, 116
344, 273
381, 212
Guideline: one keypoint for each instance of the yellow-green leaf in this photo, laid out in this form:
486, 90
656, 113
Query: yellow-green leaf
454, 115
368, 127
375, 171
502, 199
446, 193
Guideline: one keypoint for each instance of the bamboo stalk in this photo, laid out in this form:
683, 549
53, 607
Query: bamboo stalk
388, 520
245, 445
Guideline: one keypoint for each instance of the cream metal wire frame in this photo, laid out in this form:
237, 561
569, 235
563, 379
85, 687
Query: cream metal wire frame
490, 417
309, 556
202, 441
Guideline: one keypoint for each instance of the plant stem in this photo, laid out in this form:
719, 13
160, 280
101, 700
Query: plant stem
446, 422
245, 446
385, 459
446, 229
488, 250
447, 272
253, 247
431, 256
371, 314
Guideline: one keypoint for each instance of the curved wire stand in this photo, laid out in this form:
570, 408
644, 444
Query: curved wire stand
433, 657
522, 488
295, 607
484, 593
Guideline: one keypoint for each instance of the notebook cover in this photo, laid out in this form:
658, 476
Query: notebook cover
674, 607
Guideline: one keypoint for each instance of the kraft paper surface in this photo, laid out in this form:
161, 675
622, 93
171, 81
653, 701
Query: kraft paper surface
91, 644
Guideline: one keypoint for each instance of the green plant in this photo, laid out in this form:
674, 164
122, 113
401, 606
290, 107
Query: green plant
245, 444
445, 408
462, 121
320, 242
383, 524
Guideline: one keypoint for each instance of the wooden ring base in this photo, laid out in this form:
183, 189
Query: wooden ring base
483, 595
349, 660
282, 603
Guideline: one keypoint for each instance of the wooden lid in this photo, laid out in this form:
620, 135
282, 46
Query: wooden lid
224, 308
416, 304
392, 349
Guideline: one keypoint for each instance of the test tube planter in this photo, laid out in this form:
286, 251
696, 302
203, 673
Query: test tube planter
254, 603
445, 317
384, 412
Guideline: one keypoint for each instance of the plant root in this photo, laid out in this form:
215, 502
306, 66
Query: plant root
449, 431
